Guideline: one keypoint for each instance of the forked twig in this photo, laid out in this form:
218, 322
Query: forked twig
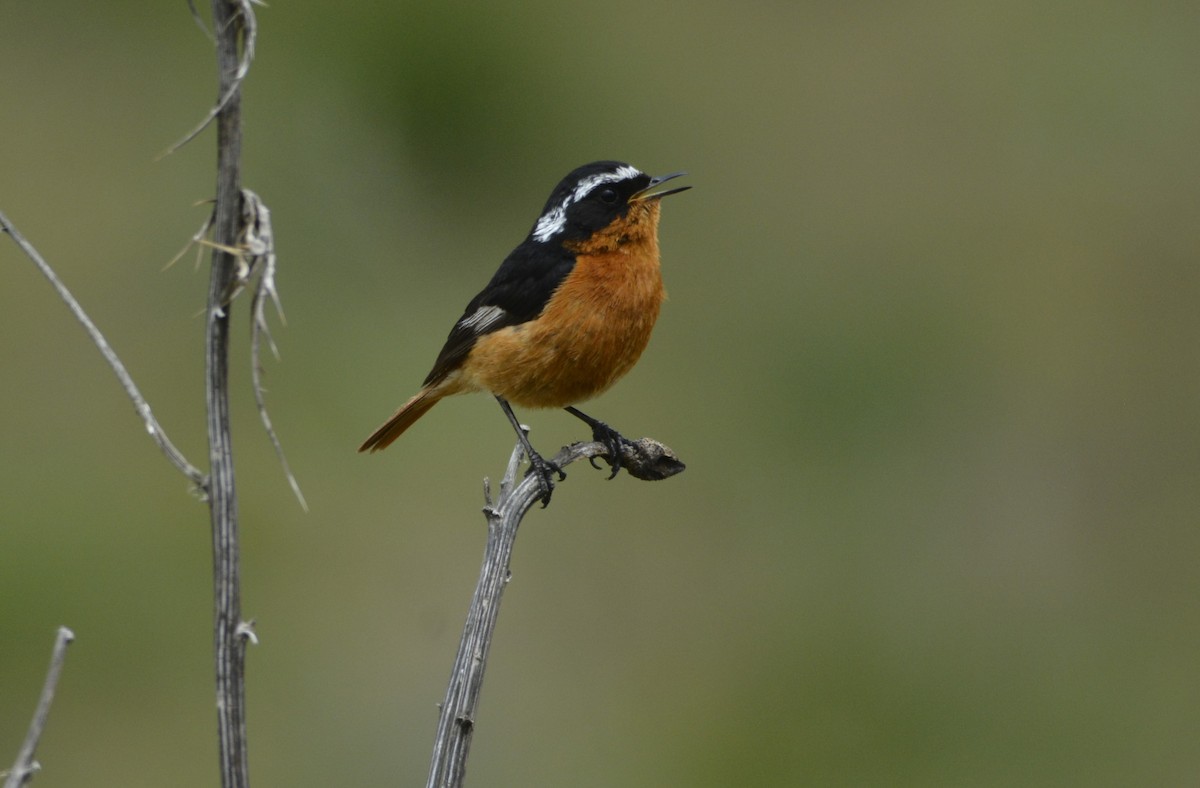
25, 766
645, 459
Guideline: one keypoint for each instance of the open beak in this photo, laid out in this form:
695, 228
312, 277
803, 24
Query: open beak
647, 194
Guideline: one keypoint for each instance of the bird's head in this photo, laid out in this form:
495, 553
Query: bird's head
607, 198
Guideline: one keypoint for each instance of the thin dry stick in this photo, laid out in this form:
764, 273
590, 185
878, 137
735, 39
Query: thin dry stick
25, 766
645, 459
258, 248
139, 402
245, 27
255, 263
231, 20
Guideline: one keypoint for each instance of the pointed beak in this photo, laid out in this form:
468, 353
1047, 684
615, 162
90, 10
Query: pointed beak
647, 194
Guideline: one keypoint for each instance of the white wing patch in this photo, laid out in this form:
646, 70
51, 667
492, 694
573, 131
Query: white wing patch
554, 220
482, 319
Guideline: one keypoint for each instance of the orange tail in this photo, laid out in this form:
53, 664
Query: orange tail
401, 420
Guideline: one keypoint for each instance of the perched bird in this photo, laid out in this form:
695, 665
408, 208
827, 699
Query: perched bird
567, 314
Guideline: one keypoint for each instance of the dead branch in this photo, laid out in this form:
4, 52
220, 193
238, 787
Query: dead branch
645, 459
25, 766
194, 474
232, 23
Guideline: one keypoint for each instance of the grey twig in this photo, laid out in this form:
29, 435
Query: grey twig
645, 459
232, 25
139, 402
239, 24
199, 21
255, 261
25, 766
258, 250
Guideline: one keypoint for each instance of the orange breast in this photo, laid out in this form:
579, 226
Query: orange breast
592, 331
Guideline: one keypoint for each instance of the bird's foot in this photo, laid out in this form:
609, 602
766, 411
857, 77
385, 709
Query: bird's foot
614, 444
544, 470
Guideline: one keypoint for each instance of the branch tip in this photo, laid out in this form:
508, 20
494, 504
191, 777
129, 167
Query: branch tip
26, 766
249, 36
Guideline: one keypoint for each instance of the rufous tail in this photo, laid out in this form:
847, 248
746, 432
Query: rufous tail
401, 420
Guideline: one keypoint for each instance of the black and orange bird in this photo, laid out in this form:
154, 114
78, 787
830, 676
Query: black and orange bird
567, 314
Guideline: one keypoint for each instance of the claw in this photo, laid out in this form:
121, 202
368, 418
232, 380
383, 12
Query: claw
613, 443
545, 471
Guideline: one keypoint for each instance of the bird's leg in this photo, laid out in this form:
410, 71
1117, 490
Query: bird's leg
542, 467
613, 441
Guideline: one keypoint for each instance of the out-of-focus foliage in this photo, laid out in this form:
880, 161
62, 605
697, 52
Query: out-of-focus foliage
930, 355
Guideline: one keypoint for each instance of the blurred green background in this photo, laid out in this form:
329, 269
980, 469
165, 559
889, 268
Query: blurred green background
930, 356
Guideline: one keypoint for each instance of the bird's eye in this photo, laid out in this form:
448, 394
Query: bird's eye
608, 195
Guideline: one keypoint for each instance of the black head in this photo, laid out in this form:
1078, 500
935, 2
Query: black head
591, 197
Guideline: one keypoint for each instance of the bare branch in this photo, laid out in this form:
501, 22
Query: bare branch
139, 402
254, 256
231, 24
244, 24
258, 250
25, 766
644, 459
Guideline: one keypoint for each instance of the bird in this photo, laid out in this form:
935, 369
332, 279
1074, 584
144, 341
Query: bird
567, 314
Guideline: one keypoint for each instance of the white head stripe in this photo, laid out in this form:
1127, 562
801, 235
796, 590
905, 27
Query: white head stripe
551, 224
587, 184
553, 221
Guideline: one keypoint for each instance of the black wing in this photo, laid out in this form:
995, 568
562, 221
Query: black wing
518, 293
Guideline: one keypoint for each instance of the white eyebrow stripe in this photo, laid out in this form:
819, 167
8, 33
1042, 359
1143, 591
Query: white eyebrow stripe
554, 220
587, 184
482, 319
